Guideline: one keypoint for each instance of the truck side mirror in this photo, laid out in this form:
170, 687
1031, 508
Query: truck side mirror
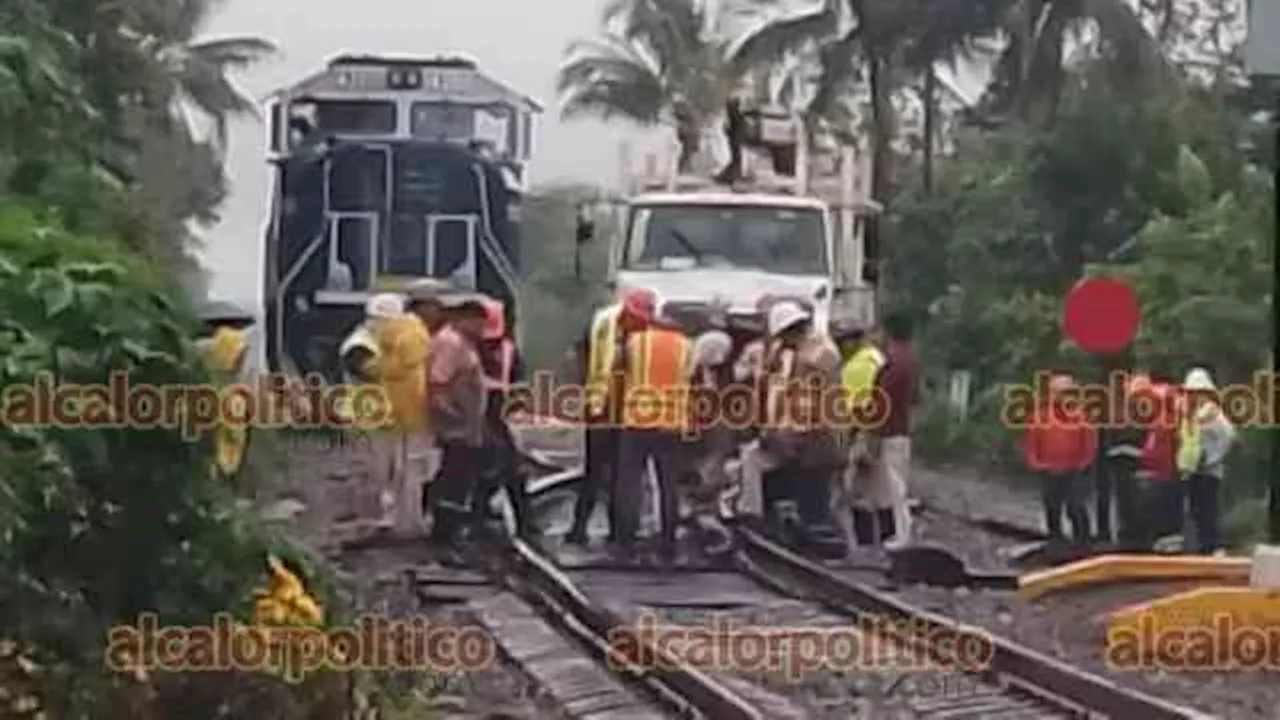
585, 229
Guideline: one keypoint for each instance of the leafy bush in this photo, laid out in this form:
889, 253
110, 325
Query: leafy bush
102, 523
1157, 191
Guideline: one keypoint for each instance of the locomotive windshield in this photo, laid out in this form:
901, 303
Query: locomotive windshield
782, 240
351, 117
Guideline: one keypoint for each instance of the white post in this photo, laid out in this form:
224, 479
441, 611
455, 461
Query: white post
802, 155
850, 238
625, 173
673, 159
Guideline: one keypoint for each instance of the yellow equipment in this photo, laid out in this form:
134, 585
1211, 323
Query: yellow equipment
1103, 569
1199, 629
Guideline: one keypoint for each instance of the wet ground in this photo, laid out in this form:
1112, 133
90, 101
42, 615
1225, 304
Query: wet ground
1071, 626
1064, 626
312, 497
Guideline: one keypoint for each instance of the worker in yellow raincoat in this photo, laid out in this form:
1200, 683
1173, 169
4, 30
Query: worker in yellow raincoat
401, 367
224, 350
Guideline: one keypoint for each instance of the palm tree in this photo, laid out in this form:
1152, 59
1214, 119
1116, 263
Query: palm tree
184, 72
658, 61
945, 33
1029, 76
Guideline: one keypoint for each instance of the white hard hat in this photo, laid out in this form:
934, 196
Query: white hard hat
785, 315
1199, 379
712, 348
384, 305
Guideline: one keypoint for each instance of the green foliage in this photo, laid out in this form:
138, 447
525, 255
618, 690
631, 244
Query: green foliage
558, 304
1156, 189
94, 107
103, 522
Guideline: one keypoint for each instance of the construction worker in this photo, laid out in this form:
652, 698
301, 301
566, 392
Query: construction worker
426, 296
360, 357
854, 487
426, 300
601, 350
655, 417
802, 366
1161, 496
1205, 438
456, 398
1059, 445
898, 388
1118, 474
713, 440
502, 367
224, 355
750, 368
403, 341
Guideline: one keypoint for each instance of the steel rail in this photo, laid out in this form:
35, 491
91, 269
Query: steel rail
526, 571
1069, 689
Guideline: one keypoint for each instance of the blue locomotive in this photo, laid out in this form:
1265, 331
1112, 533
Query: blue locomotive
387, 170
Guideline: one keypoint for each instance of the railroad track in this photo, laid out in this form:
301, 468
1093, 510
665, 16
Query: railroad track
1017, 682
632, 675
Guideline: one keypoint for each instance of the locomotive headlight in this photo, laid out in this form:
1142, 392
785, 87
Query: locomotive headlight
404, 79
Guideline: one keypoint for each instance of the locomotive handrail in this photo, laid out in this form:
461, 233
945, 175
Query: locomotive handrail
335, 240
289, 277
488, 242
489, 245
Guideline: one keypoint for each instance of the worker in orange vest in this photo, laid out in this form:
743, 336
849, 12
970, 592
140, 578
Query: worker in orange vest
601, 353
502, 367
655, 417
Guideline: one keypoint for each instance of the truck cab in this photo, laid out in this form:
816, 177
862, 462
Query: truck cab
717, 246
791, 229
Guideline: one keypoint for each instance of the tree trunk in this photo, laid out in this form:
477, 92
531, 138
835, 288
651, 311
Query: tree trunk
689, 137
930, 118
689, 142
882, 133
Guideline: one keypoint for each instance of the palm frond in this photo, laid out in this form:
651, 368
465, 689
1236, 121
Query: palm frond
673, 30
610, 78
234, 52
772, 39
837, 70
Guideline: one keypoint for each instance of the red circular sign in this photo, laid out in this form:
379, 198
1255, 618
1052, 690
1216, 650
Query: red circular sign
1101, 314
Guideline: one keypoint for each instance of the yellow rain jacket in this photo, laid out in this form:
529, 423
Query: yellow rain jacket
224, 354
285, 600
601, 356
858, 376
403, 343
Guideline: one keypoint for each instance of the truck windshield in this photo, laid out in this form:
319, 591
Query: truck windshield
775, 239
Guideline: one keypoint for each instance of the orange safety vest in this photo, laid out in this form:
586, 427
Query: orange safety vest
506, 359
657, 380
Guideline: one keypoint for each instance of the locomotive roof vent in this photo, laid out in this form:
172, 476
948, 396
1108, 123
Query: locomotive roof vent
456, 62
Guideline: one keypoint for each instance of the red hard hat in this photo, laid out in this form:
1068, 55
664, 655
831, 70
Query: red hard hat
495, 321
639, 303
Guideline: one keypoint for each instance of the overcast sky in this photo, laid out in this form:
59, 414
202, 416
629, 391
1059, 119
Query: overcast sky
517, 41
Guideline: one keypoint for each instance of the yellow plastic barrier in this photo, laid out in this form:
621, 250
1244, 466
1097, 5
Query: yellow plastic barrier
1115, 568
1208, 628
